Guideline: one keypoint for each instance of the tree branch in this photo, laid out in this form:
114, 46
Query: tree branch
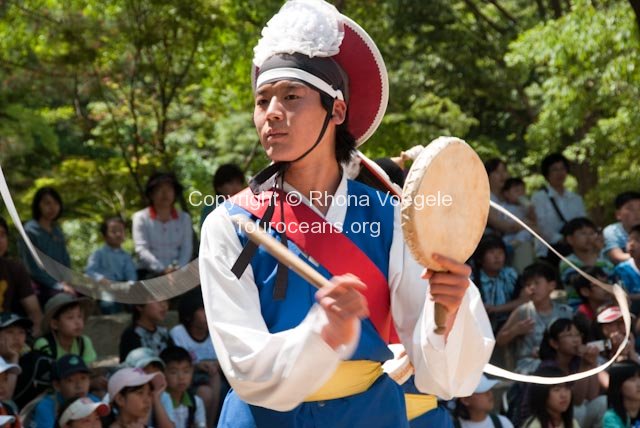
503, 11
481, 17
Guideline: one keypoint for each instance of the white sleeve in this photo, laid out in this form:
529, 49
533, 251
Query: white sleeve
450, 369
186, 246
140, 239
276, 371
546, 217
200, 416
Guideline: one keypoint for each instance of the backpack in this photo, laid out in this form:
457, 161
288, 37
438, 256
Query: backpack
191, 420
516, 403
494, 419
35, 378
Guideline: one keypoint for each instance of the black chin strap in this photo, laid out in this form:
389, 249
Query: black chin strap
255, 184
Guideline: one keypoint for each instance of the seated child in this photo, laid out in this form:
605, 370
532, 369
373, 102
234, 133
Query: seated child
592, 298
550, 405
70, 381
513, 193
188, 408
628, 272
111, 262
13, 336
8, 375
476, 411
82, 413
62, 327
581, 234
145, 329
496, 281
148, 361
563, 347
527, 323
623, 396
616, 235
192, 334
132, 394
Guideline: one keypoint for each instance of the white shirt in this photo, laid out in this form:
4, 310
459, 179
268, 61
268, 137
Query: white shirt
486, 423
549, 223
279, 370
201, 351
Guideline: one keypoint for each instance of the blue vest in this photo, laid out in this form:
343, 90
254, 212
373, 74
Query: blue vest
383, 404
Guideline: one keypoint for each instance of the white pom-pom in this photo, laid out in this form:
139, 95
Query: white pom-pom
309, 27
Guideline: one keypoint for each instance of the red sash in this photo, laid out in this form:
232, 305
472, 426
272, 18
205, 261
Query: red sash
334, 250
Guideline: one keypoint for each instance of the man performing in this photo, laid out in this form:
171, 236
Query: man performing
296, 356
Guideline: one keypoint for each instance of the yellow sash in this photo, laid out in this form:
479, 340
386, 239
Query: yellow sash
419, 404
350, 378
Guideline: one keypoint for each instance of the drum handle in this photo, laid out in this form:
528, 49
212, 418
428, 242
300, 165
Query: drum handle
274, 247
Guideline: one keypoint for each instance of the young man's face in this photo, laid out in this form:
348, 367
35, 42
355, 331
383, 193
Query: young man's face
115, 234
14, 337
582, 239
288, 117
4, 241
69, 322
629, 214
73, 386
179, 375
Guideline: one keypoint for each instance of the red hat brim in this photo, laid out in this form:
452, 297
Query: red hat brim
361, 60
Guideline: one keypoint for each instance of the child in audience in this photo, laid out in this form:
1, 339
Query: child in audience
624, 396
627, 272
563, 347
476, 411
550, 405
8, 375
192, 334
592, 298
111, 262
145, 330
70, 381
13, 336
133, 394
149, 362
515, 201
612, 330
581, 234
528, 322
188, 408
62, 327
496, 281
82, 413
616, 234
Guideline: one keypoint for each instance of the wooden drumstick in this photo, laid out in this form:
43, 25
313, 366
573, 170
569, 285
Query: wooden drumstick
274, 247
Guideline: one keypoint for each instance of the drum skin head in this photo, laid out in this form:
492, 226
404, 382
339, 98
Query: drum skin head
445, 202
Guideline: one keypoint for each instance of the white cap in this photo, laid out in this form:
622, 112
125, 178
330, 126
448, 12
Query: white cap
4, 419
485, 385
133, 377
4, 366
81, 408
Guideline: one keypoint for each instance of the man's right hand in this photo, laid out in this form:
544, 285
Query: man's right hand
344, 305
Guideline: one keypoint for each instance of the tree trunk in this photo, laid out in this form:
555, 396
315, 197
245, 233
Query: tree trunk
557, 8
587, 177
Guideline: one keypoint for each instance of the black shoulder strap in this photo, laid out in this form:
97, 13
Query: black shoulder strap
496, 420
456, 423
81, 347
555, 206
51, 346
192, 411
